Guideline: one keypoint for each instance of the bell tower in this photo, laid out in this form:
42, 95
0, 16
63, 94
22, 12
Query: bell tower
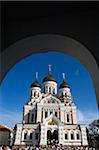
49, 83
65, 97
64, 91
35, 90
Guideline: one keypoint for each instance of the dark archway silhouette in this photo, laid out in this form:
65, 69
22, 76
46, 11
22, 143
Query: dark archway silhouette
47, 43
52, 138
55, 136
49, 137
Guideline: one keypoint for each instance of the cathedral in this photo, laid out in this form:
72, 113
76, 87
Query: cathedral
50, 116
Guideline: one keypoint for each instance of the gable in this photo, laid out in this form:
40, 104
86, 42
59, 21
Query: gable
52, 120
50, 99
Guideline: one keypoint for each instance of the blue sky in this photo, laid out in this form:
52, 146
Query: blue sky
15, 87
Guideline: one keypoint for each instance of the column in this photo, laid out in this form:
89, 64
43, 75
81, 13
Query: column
74, 116
39, 114
62, 115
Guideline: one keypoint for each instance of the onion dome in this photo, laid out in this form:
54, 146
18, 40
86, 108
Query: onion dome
49, 77
64, 84
36, 83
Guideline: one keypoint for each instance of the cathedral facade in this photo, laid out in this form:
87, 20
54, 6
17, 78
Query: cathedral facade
50, 116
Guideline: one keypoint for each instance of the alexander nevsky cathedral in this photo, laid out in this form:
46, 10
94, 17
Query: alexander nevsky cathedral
50, 117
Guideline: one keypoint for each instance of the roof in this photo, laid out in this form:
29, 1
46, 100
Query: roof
64, 85
49, 77
4, 128
35, 84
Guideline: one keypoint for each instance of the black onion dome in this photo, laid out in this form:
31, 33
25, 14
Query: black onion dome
64, 85
35, 84
49, 77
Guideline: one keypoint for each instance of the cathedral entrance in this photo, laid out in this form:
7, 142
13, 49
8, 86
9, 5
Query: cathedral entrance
49, 137
55, 137
52, 137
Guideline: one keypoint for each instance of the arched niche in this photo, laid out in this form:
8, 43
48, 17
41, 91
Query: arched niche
46, 43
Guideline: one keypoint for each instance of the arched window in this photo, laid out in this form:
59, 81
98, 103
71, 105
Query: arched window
66, 136
72, 135
36, 136
77, 136
44, 89
67, 117
31, 93
31, 135
62, 95
32, 117
65, 94
49, 89
55, 135
25, 135
38, 94
53, 91
56, 113
51, 112
46, 114
34, 94
49, 137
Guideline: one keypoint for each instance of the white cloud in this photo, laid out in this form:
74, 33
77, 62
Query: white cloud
80, 116
86, 117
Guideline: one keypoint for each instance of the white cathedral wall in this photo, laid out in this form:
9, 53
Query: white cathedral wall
18, 134
46, 107
43, 139
27, 128
35, 90
31, 141
84, 135
74, 113
61, 134
64, 90
62, 112
28, 110
69, 141
51, 84
39, 112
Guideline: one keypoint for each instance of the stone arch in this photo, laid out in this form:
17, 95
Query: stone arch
77, 134
55, 135
49, 137
66, 134
46, 43
24, 134
72, 135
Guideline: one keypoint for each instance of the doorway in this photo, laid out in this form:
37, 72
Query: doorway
52, 137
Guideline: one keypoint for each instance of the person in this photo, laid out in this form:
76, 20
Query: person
3, 147
8, 148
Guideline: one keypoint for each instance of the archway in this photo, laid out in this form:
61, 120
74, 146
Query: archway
55, 137
52, 137
49, 137
45, 43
